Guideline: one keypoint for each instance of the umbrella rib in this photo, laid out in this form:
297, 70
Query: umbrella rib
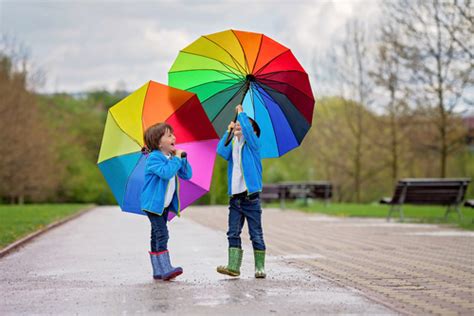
120, 155
270, 89
258, 55
243, 51
271, 60
230, 55
284, 83
227, 103
128, 179
285, 116
227, 74
270, 117
238, 73
129, 136
278, 71
231, 69
208, 82
193, 183
225, 90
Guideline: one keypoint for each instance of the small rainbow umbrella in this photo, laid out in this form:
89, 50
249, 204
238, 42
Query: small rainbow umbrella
232, 67
120, 159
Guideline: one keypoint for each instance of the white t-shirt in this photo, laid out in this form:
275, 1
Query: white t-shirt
171, 189
238, 183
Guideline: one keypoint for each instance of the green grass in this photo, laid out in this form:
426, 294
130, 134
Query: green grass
17, 221
412, 213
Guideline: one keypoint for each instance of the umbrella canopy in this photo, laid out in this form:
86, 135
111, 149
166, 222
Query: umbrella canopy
232, 67
121, 160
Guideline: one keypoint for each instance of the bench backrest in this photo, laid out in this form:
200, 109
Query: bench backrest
430, 191
293, 190
271, 192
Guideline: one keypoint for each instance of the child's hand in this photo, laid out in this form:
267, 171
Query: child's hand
239, 108
231, 126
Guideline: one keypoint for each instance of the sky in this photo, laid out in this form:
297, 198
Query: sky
82, 45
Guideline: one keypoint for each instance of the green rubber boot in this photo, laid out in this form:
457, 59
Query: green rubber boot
235, 261
259, 256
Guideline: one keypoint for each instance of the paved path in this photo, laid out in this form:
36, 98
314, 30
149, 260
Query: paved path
98, 264
415, 269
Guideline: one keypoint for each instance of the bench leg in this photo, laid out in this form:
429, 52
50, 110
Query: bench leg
390, 212
458, 210
282, 203
447, 212
399, 209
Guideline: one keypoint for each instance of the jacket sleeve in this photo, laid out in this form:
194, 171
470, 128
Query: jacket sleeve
163, 167
224, 151
185, 172
252, 140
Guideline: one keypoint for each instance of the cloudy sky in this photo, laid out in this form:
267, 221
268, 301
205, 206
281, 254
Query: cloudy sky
84, 44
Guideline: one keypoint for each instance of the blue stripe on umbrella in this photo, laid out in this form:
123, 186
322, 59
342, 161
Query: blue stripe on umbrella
116, 172
248, 106
284, 134
296, 120
267, 136
136, 180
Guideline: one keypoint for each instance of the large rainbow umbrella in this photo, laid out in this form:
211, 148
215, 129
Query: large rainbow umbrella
232, 67
120, 159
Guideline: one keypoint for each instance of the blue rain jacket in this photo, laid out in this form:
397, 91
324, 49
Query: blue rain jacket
251, 162
158, 172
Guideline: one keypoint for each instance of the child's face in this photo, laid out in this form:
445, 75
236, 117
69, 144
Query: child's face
167, 142
237, 129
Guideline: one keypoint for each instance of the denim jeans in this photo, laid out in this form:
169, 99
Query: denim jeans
241, 209
159, 231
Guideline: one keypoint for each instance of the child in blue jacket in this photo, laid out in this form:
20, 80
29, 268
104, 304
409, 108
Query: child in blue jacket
160, 194
244, 176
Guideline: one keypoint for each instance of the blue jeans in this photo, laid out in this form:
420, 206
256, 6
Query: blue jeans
241, 209
159, 231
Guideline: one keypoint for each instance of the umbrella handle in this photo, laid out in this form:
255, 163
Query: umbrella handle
245, 89
231, 134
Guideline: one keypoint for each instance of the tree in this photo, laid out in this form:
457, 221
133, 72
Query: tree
435, 47
390, 81
348, 64
27, 168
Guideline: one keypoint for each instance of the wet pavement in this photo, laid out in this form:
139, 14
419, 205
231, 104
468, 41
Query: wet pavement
415, 269
98, 264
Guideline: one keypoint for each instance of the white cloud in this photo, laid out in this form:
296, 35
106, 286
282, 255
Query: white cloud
85, 44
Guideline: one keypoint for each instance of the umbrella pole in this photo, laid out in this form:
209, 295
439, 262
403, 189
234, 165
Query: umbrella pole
231, 132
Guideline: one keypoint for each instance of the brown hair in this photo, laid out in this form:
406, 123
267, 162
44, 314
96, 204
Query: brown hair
153, 135
255, 126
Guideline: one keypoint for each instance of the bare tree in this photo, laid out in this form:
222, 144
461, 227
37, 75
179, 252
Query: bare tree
348, 65
390, 81
435, 45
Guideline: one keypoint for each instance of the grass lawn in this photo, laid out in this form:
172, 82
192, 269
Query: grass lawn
412, 213
17, 221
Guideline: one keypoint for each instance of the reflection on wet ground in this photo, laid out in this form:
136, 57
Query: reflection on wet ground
98, 264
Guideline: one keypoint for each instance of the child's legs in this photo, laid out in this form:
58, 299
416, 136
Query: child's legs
159, 231
253, 214
235, 224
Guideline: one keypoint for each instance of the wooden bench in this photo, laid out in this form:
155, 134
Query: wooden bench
297, 190
308, 190
448, 192
273, 192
